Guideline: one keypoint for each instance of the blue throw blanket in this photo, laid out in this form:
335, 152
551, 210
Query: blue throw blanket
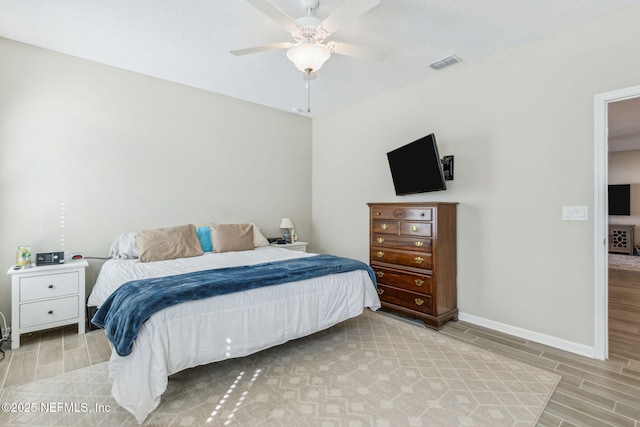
133, 303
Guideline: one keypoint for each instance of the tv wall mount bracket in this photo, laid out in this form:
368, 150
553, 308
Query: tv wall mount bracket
447, 167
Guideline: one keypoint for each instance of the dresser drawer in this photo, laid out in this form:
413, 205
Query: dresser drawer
48, 286
421, 214
407, 299
385, 227
415, 259
415, 228
402, 242
50, 311
412, 282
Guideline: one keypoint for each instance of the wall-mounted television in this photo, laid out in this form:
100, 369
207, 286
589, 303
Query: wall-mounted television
417, 167
620, 199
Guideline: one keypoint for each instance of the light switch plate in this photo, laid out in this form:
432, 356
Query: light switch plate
575, 213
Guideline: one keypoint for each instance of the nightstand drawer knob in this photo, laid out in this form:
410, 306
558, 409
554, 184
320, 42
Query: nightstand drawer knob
380, 274
415, 228
384, 226
380, 291
50, 286
380, 240
419, 282
380, 254
418, 260
419, 301
50, 312
419, 244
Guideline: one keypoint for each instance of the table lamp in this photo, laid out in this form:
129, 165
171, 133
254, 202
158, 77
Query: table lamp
287, 225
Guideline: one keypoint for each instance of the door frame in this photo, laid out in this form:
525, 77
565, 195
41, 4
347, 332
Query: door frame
601, 214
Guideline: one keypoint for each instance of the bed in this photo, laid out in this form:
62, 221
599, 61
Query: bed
225, 326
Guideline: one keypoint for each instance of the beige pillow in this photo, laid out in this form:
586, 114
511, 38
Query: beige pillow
168, 243
231, 237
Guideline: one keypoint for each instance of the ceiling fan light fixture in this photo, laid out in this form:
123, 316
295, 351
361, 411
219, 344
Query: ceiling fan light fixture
308, 57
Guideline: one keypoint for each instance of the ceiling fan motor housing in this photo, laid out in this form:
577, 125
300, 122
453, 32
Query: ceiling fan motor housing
309, 28
310, 5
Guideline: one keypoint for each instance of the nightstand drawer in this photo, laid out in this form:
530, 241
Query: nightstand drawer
43, 312
48, 286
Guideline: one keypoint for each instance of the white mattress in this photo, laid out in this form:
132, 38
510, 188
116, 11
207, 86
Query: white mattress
225, 326
116, 272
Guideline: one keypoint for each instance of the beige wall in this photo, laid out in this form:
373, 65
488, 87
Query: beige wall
88, 151
624, 168
520, 125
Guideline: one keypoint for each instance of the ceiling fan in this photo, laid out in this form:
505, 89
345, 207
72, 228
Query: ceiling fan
308, 50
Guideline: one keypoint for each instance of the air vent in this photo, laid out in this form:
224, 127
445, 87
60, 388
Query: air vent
445, 62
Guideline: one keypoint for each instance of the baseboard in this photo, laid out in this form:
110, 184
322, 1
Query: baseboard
581, 349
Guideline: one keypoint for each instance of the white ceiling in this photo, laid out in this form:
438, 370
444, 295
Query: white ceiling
188, 41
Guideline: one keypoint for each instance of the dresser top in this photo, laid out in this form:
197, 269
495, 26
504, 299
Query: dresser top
410, 203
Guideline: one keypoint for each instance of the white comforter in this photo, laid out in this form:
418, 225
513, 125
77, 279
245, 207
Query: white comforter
222, 327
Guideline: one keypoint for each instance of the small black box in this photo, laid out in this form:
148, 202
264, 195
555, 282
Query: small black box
49, 258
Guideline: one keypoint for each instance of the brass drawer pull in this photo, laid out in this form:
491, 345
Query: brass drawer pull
380, 254
380, 240
380, 274
419, 244
419, 282
419, 301
384, 226
415, 228
380, 291
418, 260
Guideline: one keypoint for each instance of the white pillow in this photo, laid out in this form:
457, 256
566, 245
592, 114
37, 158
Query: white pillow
258, 238
124, 246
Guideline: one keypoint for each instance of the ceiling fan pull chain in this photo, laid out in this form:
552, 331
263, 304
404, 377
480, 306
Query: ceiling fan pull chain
308, 90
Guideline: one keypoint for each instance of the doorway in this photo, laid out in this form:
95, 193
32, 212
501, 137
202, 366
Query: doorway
601, 269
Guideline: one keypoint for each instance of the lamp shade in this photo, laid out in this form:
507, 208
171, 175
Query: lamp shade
286, 223
308, 57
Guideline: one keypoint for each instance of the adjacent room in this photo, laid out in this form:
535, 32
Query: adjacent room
236, 158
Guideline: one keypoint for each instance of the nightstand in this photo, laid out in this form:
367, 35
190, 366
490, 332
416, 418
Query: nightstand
44, 297
295, 246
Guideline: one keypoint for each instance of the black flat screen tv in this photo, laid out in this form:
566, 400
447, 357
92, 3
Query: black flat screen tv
620, 199
416, 167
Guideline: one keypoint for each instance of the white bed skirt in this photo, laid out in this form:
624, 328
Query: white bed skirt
228, 326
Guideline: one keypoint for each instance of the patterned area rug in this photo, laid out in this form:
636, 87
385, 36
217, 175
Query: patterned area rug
624, 262
373, 370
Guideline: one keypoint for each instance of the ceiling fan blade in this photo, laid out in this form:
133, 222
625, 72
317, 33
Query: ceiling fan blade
356, 51
268, 9
250, 50
347, 12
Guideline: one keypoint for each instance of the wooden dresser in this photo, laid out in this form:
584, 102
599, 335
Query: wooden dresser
413, 253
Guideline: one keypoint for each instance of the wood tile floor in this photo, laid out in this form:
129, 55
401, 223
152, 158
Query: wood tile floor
52, 352
624, 314
591, 392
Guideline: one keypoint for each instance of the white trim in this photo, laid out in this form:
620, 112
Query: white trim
570, 346
600, 217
